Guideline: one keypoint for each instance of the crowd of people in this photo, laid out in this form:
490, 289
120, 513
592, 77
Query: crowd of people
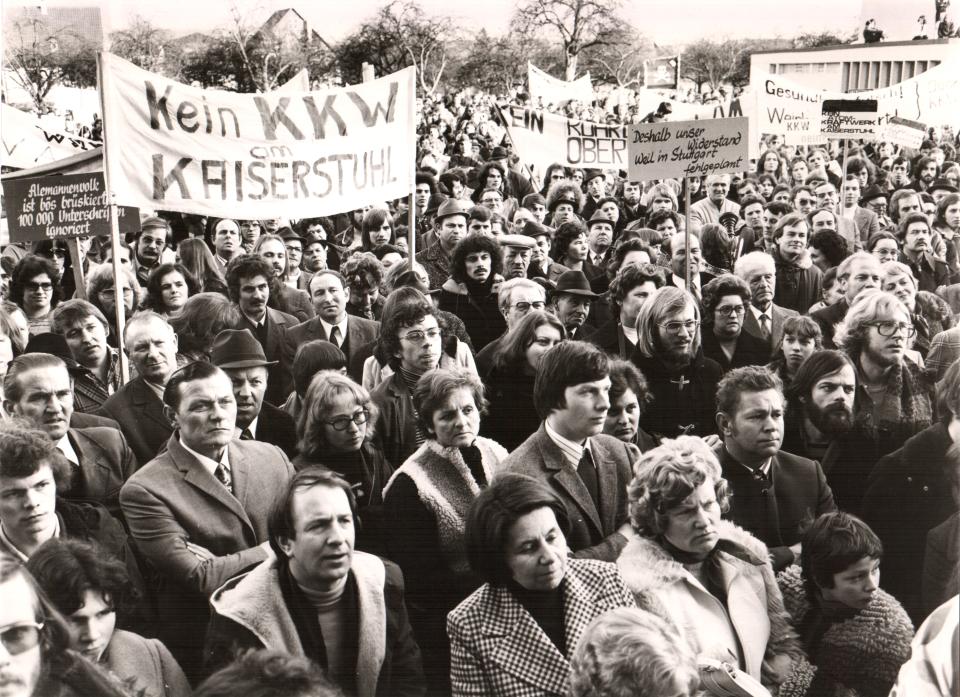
586, 441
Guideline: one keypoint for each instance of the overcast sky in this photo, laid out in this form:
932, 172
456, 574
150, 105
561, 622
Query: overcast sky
665, 21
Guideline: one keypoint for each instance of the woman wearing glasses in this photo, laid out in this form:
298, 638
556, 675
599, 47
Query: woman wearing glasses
57, 252
335, 430
929, 313
91, 589
35, 655
512, 416
34, 288
726, 300
101, 292
427, 501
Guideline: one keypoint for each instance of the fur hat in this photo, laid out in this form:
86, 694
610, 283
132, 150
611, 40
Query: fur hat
565, 192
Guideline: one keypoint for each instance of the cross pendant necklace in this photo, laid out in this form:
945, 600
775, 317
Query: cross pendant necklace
680, 382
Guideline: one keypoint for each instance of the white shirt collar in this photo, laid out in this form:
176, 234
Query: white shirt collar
252, 428
757, 313
256, 322
633, 336
328, 328
65, 447
572, 451
764, 468
209, 464
14, 550
681, 283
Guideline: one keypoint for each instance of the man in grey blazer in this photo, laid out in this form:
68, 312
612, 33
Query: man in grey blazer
353, 335
198, 512
763, 319
589, 471
39, 392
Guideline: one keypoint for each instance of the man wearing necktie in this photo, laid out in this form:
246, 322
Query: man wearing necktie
198, 511
763, 318
241, 357
589, 471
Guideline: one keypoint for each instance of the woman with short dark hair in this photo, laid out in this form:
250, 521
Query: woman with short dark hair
168, 287
629, 397
536, 601
854, 632
88, 587
427, 500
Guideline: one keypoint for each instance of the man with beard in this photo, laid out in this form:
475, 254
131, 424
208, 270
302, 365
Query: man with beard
716, 203
915, 235
571, 302
763, 319
725, 302
798, 280
925, 173
631, 206
819, 422
773, 493
682, 381
470, 292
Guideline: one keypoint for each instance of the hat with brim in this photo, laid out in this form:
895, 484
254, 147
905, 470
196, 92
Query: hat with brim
517, 241
599, 217
288, 233
574, 283
943, 185
238, 348
873, 192
499, 153
533, 229
591, 174
449, 208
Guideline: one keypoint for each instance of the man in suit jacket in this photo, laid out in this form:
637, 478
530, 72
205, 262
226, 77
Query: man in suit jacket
198, 512
151, 344
628, 291
353, 335
774, 492
858, 272
516, 298
589, 471
250, 283
866, 221
240, 356
678, 265
763, 319
39, 392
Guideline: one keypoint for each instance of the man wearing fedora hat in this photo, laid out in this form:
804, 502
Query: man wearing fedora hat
198, 511
571, 300
238, 353
451, 227
595, 184
541, 265
599, 241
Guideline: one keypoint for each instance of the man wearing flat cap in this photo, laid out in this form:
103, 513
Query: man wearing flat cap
517, 253
451, 227
238, 353
876, 199
571, 301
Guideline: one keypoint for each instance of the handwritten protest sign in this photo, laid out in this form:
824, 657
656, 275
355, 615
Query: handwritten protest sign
541, 138
175, 147
687, 148
905, 132
27, 143
62, 206
849, 118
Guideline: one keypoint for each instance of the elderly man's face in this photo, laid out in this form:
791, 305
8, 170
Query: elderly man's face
516, 261
718, 189
678, 259
46, 401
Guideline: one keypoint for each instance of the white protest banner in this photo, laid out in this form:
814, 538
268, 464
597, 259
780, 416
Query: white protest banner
541, 137
687, 148
904, 132
557, 92
298, 83
787, 108
27, 143
849, 118
175, 147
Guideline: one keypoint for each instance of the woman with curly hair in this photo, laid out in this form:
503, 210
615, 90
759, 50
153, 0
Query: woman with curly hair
168, 288
202, 317
91, 590
708, 578
570, 245
35, 288
197, 259
854, 633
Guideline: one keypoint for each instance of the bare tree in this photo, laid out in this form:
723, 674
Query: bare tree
580, 24
709, 62
148, 46
619, 62
39, 57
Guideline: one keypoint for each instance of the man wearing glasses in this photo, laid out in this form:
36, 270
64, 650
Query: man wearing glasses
682, 381
238, 353
516, 298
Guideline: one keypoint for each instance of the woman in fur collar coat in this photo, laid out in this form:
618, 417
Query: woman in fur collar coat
426, 503
854, 632
711, 579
